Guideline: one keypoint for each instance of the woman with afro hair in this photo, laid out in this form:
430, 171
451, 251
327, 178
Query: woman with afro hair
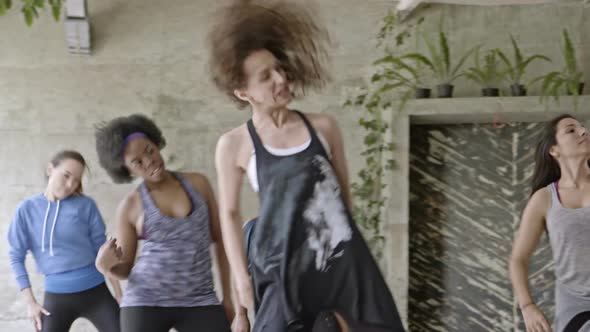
175, 214
306, 266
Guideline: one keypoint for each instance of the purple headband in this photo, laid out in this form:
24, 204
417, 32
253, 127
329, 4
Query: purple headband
129, 138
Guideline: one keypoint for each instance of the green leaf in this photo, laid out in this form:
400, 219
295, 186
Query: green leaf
435, 58
555, 89
370, 140
420, 59
398, 66
28, 16
446, 54
389, 87
56, 10
509, 69
549, 79
39, 3
522, 66
462, 61
474, 76
376, 78
517, 54
569, 53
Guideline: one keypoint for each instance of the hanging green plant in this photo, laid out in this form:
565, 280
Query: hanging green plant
394, 81
368, 189
31, 8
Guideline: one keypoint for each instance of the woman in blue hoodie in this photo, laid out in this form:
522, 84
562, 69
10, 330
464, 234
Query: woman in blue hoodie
64, 230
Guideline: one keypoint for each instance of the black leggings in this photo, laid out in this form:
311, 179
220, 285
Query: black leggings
95, 304
184, 319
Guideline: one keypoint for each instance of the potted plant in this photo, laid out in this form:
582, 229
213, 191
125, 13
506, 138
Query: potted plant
487, 76
515, 70
569, 78
439, 61
398, 73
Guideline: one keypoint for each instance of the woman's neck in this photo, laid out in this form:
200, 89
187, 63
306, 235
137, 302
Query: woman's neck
574, 173
276, 118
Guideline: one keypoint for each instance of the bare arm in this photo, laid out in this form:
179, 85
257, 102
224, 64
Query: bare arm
126, 241
116, 288
525, 243
229, 179
204, 187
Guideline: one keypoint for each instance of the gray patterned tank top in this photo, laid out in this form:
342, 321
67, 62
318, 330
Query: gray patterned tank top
173, 268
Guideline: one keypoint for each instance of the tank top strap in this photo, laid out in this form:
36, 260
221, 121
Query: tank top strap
195, 196
312, 132
555, 199
148, 204
315, 143
258, 146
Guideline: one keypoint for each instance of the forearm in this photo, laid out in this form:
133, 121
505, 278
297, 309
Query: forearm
27, 294
520, 284
237, 306
233, 239
224, 271
116, 287
119, 271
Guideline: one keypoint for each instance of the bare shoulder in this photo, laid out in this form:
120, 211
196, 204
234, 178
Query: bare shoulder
322, 120
233, 139
131, 206
540, 200
198, 180
235, 146
327, 125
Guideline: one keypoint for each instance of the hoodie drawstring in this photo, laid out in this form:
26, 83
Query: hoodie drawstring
45, 226
52, 228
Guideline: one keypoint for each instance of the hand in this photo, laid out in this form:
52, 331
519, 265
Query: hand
108, 255
35, 312
245, 294
534, 319
241, 322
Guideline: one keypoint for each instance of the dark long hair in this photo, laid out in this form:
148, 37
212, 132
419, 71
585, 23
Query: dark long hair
546, 167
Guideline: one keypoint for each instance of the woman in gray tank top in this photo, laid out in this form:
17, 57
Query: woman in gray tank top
170, 284
559, 204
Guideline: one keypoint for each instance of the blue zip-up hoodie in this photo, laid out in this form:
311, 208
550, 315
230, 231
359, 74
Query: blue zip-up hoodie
62, 235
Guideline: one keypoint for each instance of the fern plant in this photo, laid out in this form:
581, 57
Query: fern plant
569, 79
397, 73
489, 75
515, 69
440, 59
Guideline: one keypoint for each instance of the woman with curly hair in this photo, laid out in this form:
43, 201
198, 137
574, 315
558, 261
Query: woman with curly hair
175, 214
307, 266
